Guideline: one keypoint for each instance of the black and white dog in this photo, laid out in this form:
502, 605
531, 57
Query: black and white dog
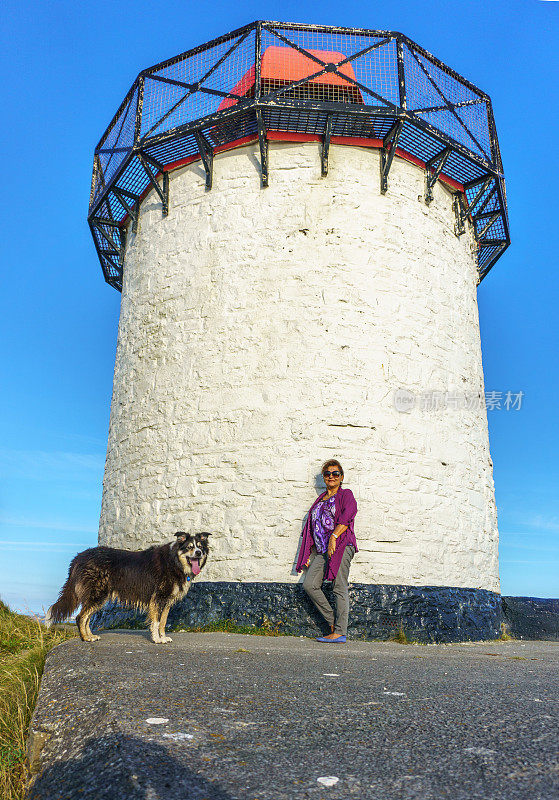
152, 579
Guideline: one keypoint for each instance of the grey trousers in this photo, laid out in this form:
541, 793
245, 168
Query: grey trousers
313, 587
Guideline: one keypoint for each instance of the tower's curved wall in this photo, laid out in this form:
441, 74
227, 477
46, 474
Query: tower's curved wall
265, 330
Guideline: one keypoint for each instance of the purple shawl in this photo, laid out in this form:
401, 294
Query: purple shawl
346, 509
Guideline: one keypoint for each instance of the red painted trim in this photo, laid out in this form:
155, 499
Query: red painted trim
452, 183
291, 136
418, 162
356, 141
237, 143
181, 163
219, 149
409, 157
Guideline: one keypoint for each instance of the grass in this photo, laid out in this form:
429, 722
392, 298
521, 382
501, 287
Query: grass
24, 644
505, 635
400, 636
230, 626
217, 626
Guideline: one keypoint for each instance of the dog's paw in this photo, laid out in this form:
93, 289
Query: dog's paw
165, 639
92, 639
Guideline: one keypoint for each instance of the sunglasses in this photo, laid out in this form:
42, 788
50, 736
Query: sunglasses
333, 473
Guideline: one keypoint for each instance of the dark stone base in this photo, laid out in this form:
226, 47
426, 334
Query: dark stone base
424, 613
531, 617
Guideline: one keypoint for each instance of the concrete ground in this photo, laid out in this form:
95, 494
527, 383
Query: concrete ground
230, 717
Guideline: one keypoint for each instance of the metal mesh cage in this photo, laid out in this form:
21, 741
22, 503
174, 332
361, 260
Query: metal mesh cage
375, 88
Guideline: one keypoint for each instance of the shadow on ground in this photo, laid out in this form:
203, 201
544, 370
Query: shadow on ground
119, 766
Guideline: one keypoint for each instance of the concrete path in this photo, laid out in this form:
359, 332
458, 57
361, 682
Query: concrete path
229, 717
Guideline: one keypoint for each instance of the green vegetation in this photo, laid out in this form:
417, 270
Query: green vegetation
24, 644
400, 636
231, 626
505, 635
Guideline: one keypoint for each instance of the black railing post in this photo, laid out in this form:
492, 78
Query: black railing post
495, 151
139, 108
207, 156
326, 146
388, 151
262, 138
257, 60
95, 179
401, 72
433, 169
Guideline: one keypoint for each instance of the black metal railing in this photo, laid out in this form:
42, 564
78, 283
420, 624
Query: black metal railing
326, 82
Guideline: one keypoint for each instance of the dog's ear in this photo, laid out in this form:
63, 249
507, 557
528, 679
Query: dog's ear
181, 536
204, 535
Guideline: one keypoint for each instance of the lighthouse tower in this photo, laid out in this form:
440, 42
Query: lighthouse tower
298, 218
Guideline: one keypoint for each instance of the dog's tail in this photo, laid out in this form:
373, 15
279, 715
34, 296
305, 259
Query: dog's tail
66, 604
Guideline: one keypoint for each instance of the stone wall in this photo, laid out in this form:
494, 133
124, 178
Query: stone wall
265, 330
532, 617
423, 613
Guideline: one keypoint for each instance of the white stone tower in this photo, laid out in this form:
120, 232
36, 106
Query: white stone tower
298, 218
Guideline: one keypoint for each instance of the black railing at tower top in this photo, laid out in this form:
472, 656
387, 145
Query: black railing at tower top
376, 88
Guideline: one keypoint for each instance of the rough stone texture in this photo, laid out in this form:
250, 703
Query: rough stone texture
264, 717
426, 613
532, 617
265, 330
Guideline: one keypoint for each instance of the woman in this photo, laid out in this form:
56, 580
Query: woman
327, 548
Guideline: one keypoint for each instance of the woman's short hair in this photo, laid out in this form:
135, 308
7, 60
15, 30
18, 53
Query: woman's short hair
331, 463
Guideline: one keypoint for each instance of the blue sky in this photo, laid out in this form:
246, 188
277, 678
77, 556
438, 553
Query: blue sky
65, 69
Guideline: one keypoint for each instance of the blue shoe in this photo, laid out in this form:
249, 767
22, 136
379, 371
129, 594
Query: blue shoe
338, 640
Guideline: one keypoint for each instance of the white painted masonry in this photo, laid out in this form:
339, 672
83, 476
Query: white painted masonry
265, 330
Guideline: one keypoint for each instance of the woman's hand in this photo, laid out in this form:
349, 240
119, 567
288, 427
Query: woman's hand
338, 530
